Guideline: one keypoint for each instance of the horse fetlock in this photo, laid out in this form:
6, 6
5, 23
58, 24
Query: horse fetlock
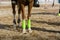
14, 21
18, 20
14, 24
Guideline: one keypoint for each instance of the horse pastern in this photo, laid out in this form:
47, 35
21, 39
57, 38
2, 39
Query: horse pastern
14, 21
24, 31
19, 21
29, 30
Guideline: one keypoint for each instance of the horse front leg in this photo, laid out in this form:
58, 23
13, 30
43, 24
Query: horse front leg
19, 11
14, 13
29, 15
23, 18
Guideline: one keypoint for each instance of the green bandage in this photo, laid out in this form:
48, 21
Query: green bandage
23, 24
58, 14
29, 23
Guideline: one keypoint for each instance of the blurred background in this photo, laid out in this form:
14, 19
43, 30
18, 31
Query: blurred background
45, 5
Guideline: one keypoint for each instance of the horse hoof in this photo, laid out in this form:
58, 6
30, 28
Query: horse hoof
24, 31
14, 26
30, 31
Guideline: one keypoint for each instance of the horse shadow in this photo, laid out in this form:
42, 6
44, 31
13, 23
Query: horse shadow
43, 13
45, 30
8, 27
49, 23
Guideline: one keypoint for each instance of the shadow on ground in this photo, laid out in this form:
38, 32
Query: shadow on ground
50, 23
8, 27
45, 14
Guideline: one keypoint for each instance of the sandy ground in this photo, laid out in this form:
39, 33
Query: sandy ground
44, 26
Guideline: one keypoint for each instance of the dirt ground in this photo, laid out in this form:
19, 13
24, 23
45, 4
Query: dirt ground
44, 26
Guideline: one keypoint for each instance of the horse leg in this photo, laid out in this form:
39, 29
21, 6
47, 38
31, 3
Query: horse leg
53, 3
23, 18
19, 11
29, 15
14, 13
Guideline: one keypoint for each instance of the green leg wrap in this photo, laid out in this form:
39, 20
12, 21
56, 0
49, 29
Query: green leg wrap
29, 23
23, 24
58, 14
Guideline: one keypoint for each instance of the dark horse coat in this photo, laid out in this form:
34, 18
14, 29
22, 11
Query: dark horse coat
26, 2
